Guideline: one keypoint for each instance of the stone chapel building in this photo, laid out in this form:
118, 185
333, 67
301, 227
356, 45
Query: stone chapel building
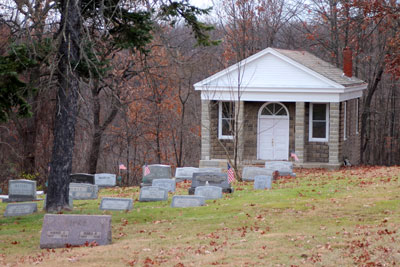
282, 101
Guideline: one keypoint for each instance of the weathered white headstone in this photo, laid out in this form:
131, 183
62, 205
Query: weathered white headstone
210, 169
113, 203
168, 184
21, 190
187, 201
105, 179
83, 191
153, 193
61, 230
157, 171
208, 192
249, 173
185, 173
82, 178
262, 182
20, 209
284, 168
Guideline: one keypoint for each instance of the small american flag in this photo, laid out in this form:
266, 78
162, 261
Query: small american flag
122, 167
231, 174
293, 155
146, 170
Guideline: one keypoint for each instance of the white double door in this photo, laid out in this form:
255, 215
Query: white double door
273, 138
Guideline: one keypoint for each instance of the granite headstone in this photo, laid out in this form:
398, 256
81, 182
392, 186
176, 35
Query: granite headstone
262, 182
187, 201
62, 230
113, 203
213, 178
168, 184
20, 209
21, 190
157, 171
284, 168
105, 179
83, 191
153, 193
185, 173
208, 192
249, 173
82, 178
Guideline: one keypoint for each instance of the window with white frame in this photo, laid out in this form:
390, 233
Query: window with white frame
226, 123
319, 122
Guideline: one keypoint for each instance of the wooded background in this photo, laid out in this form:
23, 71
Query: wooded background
138, 106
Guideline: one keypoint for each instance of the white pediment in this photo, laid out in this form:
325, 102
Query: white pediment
265, 70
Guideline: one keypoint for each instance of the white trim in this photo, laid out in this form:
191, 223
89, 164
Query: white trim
220, 135
310, 124
357, 113
269, 116
345, 121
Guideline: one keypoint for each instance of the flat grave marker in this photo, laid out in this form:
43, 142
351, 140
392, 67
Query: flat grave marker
83, 191
21, 190
113, 203
168, 184
187, 201
208, 192
105, 179
153, 193
82, 178
262, 181
61, 230
20, 209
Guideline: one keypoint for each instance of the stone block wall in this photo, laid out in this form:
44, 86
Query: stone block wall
350, 148
313, 151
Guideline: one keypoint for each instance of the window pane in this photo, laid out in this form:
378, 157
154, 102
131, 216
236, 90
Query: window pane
281, 112
228, 109
227, 127
266, 111
319, 129
319, 112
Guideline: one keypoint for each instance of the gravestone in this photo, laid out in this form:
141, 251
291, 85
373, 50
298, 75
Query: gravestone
83, 191
208, 192
185, 173
262, 182
82, 178
62, 230
153, 193
157, 171
284, 168
210, 169
21, 190
213, 178
168, 184
249, 173
20, 209
105, 179
187, 201
70, 201
113, 203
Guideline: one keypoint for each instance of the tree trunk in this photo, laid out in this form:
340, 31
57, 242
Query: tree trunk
66, 108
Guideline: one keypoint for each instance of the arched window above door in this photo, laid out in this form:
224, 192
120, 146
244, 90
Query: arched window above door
274, 109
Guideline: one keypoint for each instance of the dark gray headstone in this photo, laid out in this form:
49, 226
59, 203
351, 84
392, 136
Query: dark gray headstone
82, 178
262, 182
185, 173
157, 171
61, 230
153, 193
83, 191
20, 209
105, 179
187, 201
208, 192
249, 173
113, 203
213, 178
168, 184
21, 190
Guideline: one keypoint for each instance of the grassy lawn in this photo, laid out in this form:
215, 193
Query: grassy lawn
320, 218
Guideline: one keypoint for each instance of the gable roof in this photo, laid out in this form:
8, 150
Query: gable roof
320, 66
281, 75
